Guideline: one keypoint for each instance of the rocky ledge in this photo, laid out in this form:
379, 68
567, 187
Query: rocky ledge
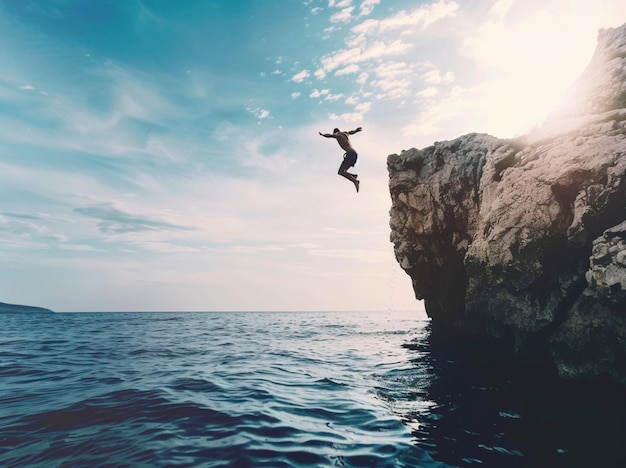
518, 246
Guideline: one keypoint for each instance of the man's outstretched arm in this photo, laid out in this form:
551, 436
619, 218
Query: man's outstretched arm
357, 130
327, 135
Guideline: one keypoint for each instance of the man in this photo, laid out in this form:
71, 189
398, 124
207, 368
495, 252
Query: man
349, 158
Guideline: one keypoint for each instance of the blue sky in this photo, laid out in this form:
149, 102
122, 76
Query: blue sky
164, 155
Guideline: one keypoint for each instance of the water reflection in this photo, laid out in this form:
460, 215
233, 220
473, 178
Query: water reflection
492, 414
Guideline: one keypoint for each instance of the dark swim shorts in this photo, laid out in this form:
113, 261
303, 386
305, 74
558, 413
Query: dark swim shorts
349, 160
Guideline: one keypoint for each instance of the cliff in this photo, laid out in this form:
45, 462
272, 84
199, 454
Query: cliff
21, 308
519, 246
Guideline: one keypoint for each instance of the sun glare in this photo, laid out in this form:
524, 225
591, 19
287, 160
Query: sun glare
534, 61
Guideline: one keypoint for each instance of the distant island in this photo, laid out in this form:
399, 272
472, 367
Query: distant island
22, 308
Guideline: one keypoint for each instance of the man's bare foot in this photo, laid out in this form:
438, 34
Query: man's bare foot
356, 184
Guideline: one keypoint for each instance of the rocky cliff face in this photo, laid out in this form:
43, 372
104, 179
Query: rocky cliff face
520, 244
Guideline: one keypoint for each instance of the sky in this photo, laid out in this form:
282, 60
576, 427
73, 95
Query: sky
164, 155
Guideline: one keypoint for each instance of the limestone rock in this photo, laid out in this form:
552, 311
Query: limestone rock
500, 236
597, 320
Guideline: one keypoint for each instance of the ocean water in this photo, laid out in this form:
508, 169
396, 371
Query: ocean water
265, 389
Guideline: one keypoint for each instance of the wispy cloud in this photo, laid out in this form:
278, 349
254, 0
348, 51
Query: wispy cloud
343, 16
380, 51
366, 53
316, 93
259, 113
435, 77
114, 220
348, 69
27, 227
300, 76
367, 6
419, 17
339, 3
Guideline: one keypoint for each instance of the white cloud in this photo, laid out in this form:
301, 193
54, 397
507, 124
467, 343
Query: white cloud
107, 130
334, 97
428, 92
367, 6
300, 76
352, 68
356, 41
422, 16
339, 3
320, 74
392, 69
343, 16
259, 112
373, 51
28, 230
295, 95
378, 49
347, 117
318, 93
363, 107
393, 88
436, 77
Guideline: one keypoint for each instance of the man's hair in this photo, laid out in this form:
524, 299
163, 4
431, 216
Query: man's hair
335, 130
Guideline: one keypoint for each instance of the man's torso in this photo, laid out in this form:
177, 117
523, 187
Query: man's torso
344, 142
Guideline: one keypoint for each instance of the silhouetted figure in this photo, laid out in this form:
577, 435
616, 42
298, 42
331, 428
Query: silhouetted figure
350, 156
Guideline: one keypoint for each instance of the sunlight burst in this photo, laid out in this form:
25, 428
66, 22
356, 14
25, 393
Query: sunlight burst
534, 60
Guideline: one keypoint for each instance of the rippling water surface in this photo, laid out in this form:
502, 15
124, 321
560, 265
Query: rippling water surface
272, 389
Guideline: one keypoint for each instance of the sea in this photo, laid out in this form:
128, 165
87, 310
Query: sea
280, 389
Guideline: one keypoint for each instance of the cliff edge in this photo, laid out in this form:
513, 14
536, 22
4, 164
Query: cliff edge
519, 245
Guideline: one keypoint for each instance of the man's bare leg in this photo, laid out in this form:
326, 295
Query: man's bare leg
352, 178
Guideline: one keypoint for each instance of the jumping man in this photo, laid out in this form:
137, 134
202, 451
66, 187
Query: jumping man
349, 158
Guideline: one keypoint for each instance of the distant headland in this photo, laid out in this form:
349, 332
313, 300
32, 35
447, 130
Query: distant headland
22, 308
